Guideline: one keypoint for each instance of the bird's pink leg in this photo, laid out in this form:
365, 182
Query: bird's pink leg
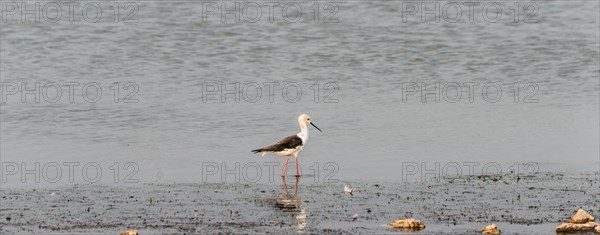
285, 167
297, 173
285, 186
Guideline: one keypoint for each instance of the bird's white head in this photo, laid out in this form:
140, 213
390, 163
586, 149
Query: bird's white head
304, 120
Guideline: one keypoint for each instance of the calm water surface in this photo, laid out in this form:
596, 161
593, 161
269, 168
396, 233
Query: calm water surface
370, 133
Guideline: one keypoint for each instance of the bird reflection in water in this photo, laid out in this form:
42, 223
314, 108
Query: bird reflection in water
291, 204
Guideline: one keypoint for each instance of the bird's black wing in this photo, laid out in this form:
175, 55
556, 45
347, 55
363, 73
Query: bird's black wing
289, 142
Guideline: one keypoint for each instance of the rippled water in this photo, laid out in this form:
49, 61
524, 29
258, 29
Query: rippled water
370, 132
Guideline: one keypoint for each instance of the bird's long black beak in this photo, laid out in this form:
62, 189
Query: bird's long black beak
316, 126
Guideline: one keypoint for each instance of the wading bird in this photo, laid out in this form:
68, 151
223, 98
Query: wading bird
291, 145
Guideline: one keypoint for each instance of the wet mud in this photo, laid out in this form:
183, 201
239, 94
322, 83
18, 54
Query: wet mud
535, 205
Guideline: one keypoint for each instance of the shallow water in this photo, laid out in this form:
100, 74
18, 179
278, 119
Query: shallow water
173, 134
460, 205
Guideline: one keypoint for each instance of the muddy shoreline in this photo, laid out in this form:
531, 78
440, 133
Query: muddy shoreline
448, 206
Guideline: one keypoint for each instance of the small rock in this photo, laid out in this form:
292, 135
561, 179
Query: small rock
581, 217
354, 217
411, 224
129, 232
571, 227
491, 229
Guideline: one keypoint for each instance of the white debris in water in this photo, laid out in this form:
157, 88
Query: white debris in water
301, 219
348, 189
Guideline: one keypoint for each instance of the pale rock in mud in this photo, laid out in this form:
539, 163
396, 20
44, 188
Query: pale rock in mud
572, 227
412, 224
581, 217
129, 232
491, 229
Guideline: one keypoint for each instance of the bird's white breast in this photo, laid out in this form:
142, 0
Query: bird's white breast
303, 136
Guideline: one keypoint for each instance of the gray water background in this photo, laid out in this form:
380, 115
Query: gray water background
369, 133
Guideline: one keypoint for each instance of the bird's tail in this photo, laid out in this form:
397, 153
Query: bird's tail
256, 151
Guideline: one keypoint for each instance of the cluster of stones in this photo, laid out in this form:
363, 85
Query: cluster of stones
580, 222
416, 225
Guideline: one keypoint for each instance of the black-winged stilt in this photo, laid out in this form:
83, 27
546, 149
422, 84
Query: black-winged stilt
291, 145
